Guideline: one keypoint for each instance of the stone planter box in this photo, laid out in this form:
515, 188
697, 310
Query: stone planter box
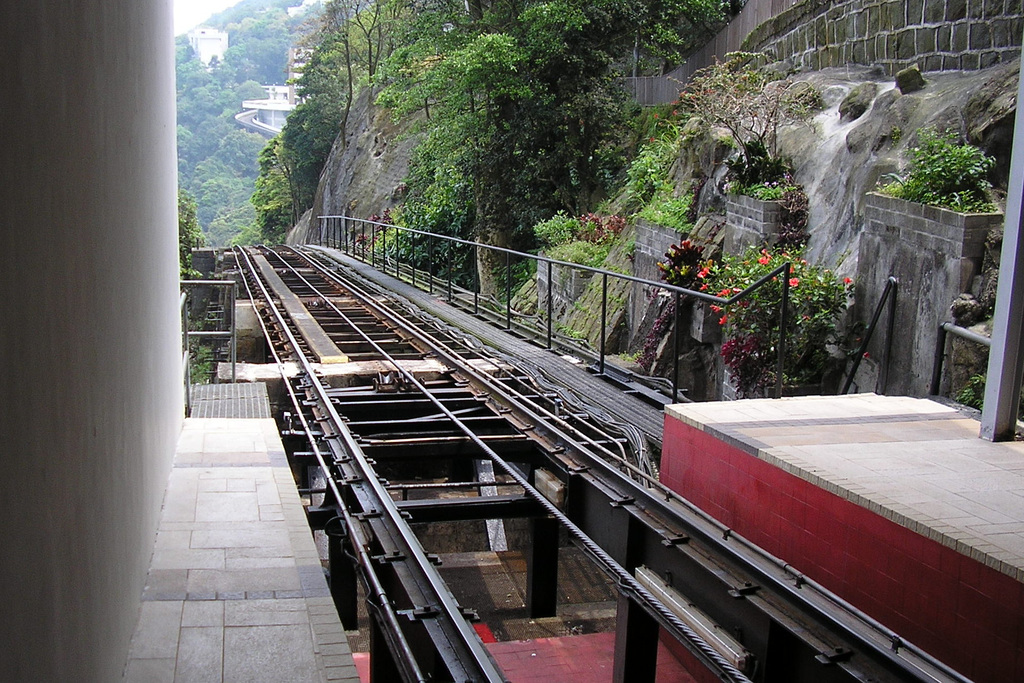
567, 285
749, 222
935, 254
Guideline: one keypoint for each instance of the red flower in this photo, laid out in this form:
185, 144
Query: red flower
721, 321
704, 287
794, 281
847, 280
765, 257
715, 308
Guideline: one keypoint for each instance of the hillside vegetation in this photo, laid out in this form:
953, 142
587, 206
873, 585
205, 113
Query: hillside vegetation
516, 108
217, 160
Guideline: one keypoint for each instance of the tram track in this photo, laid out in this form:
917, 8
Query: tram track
511, 448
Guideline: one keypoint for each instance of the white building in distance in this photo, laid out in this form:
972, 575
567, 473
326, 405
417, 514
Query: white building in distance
208, 43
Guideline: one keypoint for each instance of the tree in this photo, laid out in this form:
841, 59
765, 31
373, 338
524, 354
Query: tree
272, 200
523, 99
189, 234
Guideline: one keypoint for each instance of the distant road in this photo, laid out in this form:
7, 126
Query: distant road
247, 120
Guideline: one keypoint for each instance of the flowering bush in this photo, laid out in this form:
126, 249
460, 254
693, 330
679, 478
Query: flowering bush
817, 301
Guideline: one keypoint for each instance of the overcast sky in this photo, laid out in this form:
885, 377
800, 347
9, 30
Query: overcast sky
190, 13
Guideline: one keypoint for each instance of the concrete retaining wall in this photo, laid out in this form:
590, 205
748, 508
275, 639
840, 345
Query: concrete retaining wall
935, 254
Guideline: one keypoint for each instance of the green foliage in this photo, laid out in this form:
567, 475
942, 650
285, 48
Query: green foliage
973, 392
583, 253
945, 173
590, 228
557, 230
521, 98
752, 104
217, 162
648, 173
671, 212
272, 200
817, 302
190, 235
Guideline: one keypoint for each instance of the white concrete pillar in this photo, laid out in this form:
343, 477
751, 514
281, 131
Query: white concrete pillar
90, 385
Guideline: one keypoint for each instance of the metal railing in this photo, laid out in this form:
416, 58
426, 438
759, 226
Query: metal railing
888, 295
350, 235
945, 329
186, 334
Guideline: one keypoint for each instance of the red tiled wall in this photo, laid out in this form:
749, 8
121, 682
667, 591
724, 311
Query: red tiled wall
966, 614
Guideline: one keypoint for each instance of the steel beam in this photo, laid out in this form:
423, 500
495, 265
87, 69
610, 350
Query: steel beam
636, 644
1006, 358
542, 568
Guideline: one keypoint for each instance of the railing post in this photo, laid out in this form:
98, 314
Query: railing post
508, 291
549, 305
430, 264
412, 259
476, 279
363, 249
883, 378
676, 334
373, 246
449, 270
783, 318
604, 319
234, 331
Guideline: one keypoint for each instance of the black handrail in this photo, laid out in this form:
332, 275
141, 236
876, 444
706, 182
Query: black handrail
891, 287
328, 234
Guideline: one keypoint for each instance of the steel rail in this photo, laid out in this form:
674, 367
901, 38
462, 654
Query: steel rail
496, 387
394, 632
626, 581
720, 536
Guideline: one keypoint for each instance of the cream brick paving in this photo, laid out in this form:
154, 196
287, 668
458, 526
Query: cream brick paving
235, 590
914, 461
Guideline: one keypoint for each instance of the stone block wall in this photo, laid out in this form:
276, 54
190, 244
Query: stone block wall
652, 242
749, 222
935, 254
937, 35
567, 285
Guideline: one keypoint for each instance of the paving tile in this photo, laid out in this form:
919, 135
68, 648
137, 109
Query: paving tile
188, 558
203, 613
265, 612
254, 654
150, 671
156, 636
241, 538
200, 655
231, 506
262, 579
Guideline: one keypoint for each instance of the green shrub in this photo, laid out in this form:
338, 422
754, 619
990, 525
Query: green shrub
648, 174
559, 229
583, 253
945, 173
671, 212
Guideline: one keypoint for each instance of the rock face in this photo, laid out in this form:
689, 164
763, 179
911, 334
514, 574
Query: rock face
365, 172
909, 80
857, 102
839, 161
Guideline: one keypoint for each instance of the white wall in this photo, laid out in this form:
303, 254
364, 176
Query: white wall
90, 395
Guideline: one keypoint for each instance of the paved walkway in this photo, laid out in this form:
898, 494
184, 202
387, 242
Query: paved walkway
914, 461
235, 591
